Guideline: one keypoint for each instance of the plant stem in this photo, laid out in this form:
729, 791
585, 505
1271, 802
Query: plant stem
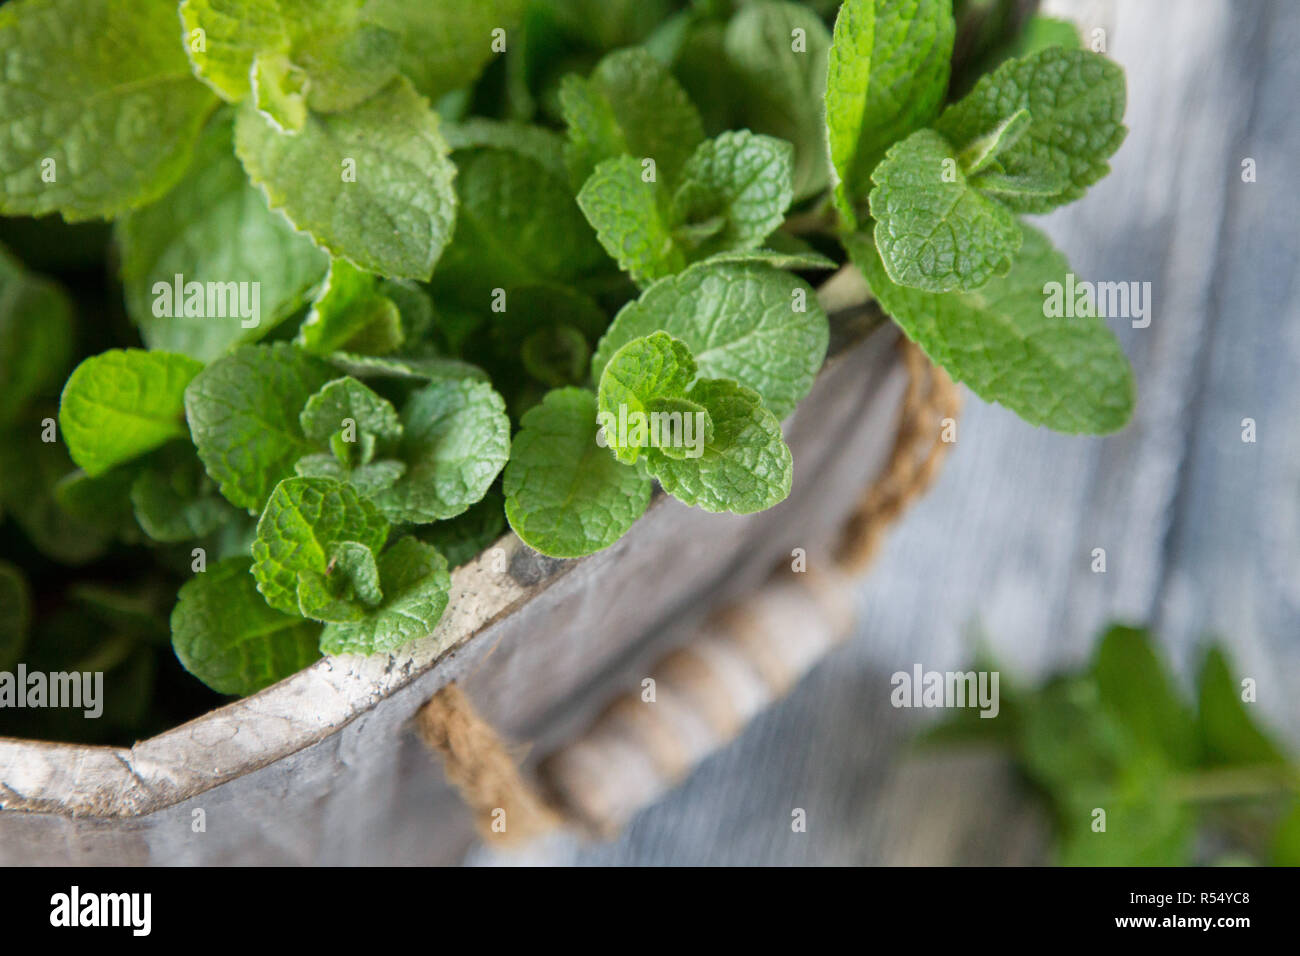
1237, 783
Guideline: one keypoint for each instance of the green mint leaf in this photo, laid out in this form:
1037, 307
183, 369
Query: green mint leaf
543, 146
35, 337
444, 46
289, 55
565, 495
15, 614
934, 231
887, 76
227, 636
102, 503
345, 67
303, 521
1040, 32
745, 465
123, 403
1228, 731
347, 306
416, 589
213, 229
517, 224
744, 321
425, 368
645, 369
630, 220
1075, 100
347, 400
630, 105
110, 128
981, 153
280, 90
347, 590
456, 441
742, 179
369, 479
776, 258
243, 414
1066, 373
1136, 688
783, 73
372, 184
461, 538
679, 436
173, 498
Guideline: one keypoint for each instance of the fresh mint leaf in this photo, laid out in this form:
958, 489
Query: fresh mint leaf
372, 184
645, 369
565, 495
243, 415
289, 54
227, 636
1137, 689
745, 465
122, 403
279, 91
1075, 100
734, 192
777, 258
631, 220
888, 71
414, 368
102, 503
783, 72
173, 498
35, 337
348, 588
537, 143
443, 46
112, 126
1229, 733
416, 589
1066, 373
456, 441
304, 519
934, 231
349, 305
742, 179
369, 478
348, 400
981, 153
744, 321
518, 224
215, 229
629, 106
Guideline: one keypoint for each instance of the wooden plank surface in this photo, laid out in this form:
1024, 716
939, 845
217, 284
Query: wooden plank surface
1202, 531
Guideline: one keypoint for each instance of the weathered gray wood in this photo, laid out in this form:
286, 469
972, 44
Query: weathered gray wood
323, 767
1202, 532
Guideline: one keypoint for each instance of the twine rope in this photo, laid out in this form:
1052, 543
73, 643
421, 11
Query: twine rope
478, 763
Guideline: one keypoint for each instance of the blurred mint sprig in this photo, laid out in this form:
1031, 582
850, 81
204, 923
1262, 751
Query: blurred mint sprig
1180, 781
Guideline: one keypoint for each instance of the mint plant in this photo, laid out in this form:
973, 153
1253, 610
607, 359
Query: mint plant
382, 277
1181, 778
